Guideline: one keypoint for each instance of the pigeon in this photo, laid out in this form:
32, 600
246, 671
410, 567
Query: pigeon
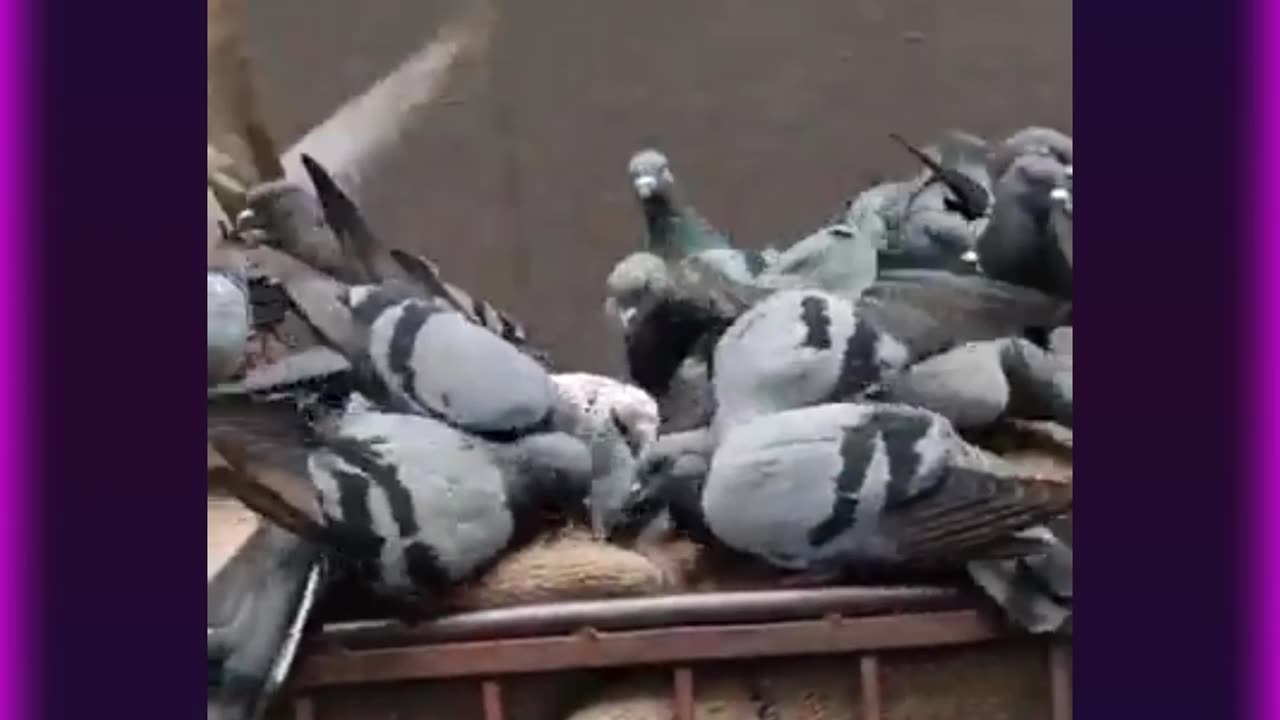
1061, 214
976, 384
877, 211
800, 347
617, 421
1018, 245
329, 232
413, 505
228, 320
968, 197
838, 488
929, 235
424, 357
931, 221
671, 324
671, 345
676, 230
284, 215
837, 258
1030, 141
797, 348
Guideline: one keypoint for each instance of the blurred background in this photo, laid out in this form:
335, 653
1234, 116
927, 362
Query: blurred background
773, 114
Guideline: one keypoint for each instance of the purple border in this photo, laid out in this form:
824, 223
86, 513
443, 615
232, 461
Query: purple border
14, 620
1267, 270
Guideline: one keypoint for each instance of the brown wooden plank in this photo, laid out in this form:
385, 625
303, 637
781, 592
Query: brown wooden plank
491, 700
229, 524
869, 671
1060, 680
640, 647
683, 679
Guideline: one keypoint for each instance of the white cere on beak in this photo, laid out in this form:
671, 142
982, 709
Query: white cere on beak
357, 295
645, 185
970, 256
625, 316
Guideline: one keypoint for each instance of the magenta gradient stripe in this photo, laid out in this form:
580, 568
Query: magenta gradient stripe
15, 510
1266, 596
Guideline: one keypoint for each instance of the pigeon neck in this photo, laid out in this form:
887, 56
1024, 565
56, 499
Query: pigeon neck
684, 503
661, 218
673, 229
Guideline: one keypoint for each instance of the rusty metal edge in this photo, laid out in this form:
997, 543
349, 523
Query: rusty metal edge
598, 649
642, 612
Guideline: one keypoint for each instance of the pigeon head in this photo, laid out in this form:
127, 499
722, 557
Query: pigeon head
633, 282
1031, 141
668, 476
558, 467
367, 302
635, 417
650, 174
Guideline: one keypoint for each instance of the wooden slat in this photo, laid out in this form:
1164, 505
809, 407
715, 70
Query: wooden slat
869, 671
230, 524
683, 679
491, 700
304, 708
641, 647
1060, 680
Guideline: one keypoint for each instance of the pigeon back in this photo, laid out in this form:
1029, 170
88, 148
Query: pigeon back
458, 371
798, 348
429, 498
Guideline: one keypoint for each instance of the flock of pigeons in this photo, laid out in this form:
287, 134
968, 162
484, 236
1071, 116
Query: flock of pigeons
818, 408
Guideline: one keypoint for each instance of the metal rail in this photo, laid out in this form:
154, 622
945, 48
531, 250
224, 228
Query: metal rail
676, 631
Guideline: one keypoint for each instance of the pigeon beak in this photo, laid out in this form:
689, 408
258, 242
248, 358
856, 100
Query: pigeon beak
626, 315
645, 186
970, 256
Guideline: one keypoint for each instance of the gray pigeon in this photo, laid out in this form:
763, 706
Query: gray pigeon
415, 505
671, 324
328, 231
969, 197
1033, 140
670, 344
1061, 215
877, 211
798, 348
835, 488
676, 230
227, 322
933, 220
837, 258
976, 384
1019, 245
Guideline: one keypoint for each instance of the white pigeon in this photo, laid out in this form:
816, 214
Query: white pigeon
617, 421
